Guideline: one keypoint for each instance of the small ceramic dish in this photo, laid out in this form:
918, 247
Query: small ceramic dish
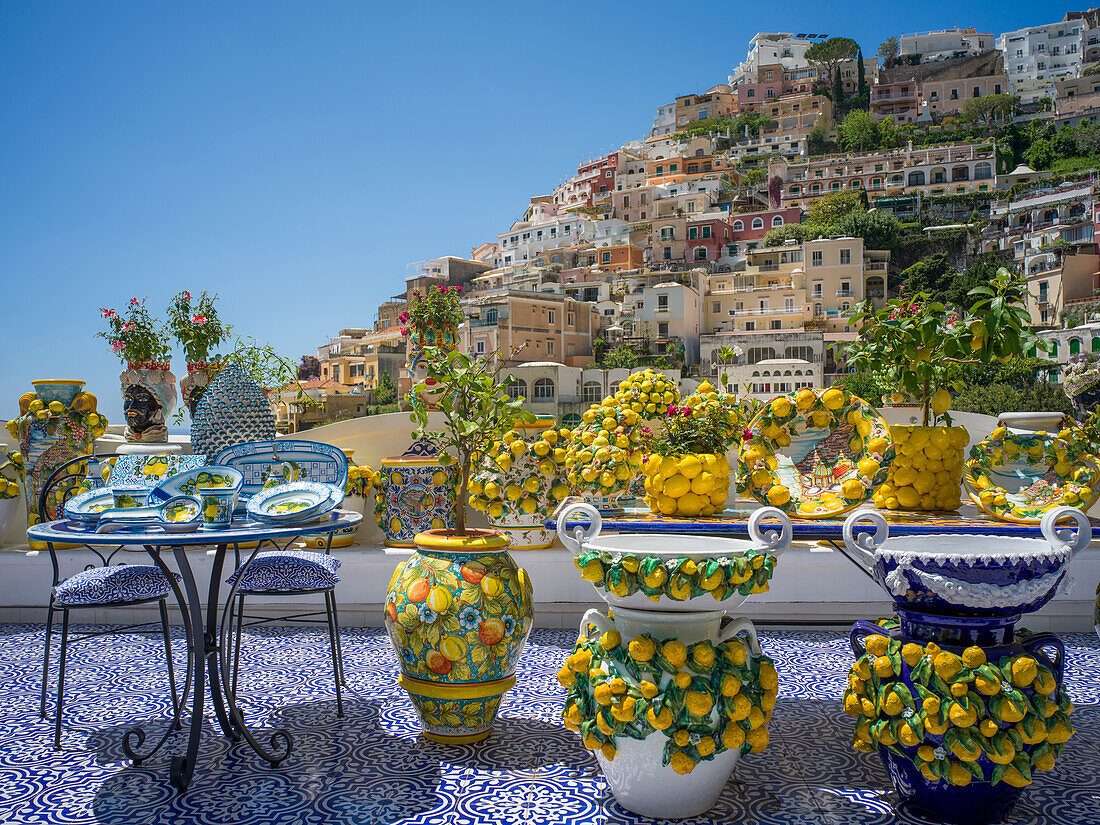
180, 514
88, 507
294, 502
188, 482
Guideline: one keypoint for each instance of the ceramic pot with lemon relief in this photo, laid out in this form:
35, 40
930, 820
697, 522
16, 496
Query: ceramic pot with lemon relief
414, 492
687, 485
926, 473
521, 478
458, 612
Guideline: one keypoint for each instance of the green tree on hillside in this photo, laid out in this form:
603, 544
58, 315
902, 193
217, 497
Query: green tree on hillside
879, 230
862, 89
889, 48
832, 206
829, 54
858, 131
888, 135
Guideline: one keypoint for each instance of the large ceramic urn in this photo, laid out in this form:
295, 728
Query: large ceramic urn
458, 611
963, 709
667, 690
414, 492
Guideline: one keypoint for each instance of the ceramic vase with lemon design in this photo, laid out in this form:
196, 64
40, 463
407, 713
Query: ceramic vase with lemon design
520, 478
458, 611
415, 491
687, 485
926, 473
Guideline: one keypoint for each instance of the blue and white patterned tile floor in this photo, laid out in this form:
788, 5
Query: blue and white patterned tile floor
371, 768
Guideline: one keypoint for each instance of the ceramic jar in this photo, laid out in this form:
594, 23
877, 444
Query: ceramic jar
233, 410
604, 454
458, 612
194, 384
148, 398
926, 473
686, 485
519, 479
667, 693
414, 492
416, 368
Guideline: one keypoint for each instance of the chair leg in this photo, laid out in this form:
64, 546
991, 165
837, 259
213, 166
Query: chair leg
169, 663
339, 644
61, 678
237, 646
46, 659
330, 612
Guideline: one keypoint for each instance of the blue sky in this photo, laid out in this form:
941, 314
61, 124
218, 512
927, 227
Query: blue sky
294, 157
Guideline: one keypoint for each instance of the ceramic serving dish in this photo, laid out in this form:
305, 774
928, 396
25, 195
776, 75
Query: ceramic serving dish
89, 506
180, 514
189, 482
294, 502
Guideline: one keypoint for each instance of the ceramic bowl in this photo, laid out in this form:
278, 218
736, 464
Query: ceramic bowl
57, 389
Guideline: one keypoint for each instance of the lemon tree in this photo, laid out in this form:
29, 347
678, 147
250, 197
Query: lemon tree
958, 717
702, 698
815, 453
914, 341
476, 411
1020, 477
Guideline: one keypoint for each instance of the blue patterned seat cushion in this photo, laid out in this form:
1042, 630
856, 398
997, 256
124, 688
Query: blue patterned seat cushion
282, 570
108, 585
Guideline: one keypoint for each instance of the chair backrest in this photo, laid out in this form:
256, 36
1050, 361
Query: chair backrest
150, 470
294, 460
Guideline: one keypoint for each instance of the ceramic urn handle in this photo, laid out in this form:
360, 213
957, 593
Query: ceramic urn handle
775, 542
1066, 539
579, 535
736, 628
865, 544
602, 621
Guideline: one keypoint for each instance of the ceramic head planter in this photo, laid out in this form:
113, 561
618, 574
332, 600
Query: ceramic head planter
148, 397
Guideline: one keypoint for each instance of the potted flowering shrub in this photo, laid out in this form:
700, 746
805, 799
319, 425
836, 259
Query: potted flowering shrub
148, 386
198, 330
687, 473
459, 609
913, 341
432, 320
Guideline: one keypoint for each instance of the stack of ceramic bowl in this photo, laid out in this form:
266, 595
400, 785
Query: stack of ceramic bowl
299, 502
669, 692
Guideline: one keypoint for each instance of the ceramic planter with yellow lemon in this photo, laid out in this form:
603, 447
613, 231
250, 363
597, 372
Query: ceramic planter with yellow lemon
520, 478
648, 393
604, 454
415, 491
458, 611
815, 453
927, 469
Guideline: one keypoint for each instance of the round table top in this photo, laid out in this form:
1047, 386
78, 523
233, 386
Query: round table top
240, 531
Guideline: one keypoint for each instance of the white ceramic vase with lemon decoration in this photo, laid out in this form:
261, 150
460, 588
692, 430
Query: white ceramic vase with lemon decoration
604, 454
520, 479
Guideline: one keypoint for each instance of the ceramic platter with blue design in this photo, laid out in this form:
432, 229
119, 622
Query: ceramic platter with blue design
86, 508
295, 502
189, 482
180, 514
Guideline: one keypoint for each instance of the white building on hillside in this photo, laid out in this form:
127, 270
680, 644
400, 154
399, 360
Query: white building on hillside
1038, 56
665, 122
947, 43
769, 48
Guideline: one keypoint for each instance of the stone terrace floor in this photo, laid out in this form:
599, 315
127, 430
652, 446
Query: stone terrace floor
370, 767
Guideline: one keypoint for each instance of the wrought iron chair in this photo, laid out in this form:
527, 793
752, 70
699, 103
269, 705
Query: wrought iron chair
106, 586
284, 572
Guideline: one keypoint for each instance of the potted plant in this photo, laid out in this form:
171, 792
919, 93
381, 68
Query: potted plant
687, 473
198, 330
432, 320
459, 609
148, 386
913, 341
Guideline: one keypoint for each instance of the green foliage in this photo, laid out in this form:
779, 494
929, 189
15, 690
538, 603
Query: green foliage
385, 393
861, 75
935, 277
832, 206
878, 229
135, 337
996, 398
871, 388
889, 48
829, 54
196, 326
437, 308
622, 357
1040, 155
476, 410
818, 143
858, 130
989, 107
888, 135
800, 232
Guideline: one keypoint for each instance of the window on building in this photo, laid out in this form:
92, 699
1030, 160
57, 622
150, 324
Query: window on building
592, 392
667, 253
777, 221
700, 253
845, 256
1043, 293
605, 257
716, 307
738, 226
662, 302
549, 347
479, 348
693, 233
544, 390
816, 259
550, 315
667, 233
704, 232
1074, 346
750, 326
517, 389
570, 318
662, 329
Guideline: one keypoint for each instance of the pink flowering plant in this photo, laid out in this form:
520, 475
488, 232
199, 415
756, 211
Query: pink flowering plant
912, 341
196, 325
136, 337
438, 308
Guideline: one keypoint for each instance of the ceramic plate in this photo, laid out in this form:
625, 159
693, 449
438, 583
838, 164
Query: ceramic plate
90, 506
1019, 478
815, 453
287, 460
293, 502
188, 482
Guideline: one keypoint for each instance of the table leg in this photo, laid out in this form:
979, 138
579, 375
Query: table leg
213, 646
183, 767
221, 684
135, 737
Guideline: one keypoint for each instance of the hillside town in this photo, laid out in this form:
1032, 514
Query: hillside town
742, 231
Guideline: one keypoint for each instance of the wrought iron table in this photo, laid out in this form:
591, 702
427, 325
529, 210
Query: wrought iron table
208, 651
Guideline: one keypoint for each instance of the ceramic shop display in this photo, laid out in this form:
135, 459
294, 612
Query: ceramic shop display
521, 478
1020, 478
295, 502
415, 491
179, 514
667, 693
963, 709
233, 410
926, 473
458, 612
148, 398
687, 484
56, 423
815, 453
